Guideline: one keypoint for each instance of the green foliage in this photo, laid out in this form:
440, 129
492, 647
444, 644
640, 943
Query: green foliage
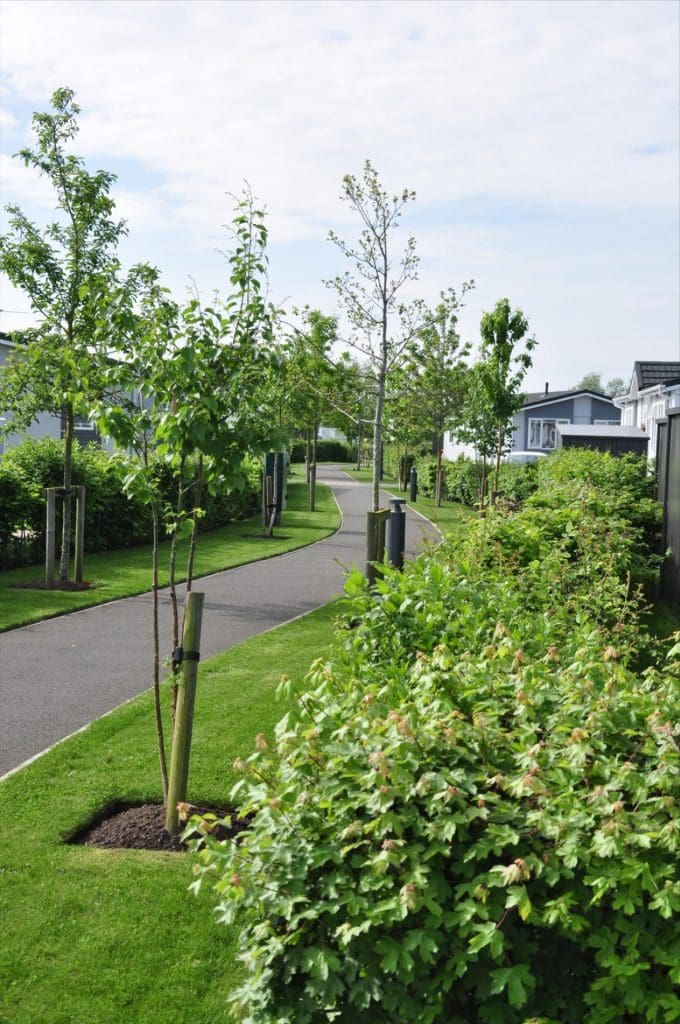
462, 480
382, 325
326, 451
623, 488
494, 385
114, 518
67, 271
593, 382
473, 812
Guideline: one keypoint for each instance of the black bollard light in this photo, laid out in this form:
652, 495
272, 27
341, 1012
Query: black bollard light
396, 533
413, 484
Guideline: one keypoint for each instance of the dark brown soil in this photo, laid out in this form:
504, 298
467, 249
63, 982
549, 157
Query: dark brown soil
143, 828
67, 585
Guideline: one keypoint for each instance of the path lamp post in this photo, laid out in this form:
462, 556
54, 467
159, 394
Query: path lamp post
396, 533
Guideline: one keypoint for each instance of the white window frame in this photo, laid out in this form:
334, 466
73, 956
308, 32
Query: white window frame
80, 423
547, 425
606, 423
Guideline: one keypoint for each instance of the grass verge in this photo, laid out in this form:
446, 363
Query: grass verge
450, 517
97, 937
123, 573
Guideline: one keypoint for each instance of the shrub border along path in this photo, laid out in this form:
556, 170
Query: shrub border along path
60, 674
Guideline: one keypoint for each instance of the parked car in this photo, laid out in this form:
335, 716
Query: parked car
521, 458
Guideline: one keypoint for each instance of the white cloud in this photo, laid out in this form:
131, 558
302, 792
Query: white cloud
567, 103
511, 99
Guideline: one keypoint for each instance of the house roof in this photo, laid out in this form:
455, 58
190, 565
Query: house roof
649, 374
540, 397
606, 430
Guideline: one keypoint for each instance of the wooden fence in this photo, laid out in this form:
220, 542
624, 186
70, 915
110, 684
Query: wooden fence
668, 493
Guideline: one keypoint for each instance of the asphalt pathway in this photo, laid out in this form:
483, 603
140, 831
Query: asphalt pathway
58, 675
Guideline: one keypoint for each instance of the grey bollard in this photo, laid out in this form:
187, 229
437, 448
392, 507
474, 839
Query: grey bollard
413, 485
396, 533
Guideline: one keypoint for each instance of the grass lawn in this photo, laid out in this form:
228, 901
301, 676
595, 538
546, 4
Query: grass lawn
111, 937
122, 573
450, 517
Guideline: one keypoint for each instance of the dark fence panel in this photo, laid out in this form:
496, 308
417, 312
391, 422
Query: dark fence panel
668, 493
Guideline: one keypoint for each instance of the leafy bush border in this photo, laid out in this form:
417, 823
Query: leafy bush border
473, 813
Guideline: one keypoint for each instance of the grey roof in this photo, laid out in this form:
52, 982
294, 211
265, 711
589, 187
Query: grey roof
591, 430
539, 397
650, 374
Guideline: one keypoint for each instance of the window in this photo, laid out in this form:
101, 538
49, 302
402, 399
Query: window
80, 423
543, 433
605, 423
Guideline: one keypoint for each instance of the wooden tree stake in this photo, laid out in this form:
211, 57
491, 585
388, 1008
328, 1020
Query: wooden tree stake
375, 541
50, 538
80, 534
184, 714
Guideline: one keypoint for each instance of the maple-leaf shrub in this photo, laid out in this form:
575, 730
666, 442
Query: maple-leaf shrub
472, 815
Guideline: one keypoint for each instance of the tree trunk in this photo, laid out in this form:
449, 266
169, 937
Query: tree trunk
181, 740
173, 585
312, 474
359, 443
156, 655
499, 451
65, 558
438, 489
377, 435
482, 487
307, 455
194, 530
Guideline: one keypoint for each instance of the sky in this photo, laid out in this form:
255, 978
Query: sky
541, 139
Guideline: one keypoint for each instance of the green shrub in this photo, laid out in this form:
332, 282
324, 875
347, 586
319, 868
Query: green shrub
473, 813
326, 451
462, 480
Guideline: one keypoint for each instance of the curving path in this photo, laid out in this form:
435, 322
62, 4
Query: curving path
58, 675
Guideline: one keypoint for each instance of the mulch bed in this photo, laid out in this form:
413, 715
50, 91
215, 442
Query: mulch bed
67, 585
143, 828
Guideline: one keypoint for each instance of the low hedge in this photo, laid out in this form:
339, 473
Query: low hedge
113, 519
326, 451
462, 480
473, 815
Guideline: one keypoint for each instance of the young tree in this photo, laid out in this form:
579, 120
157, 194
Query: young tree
67, 270
193, 391
495, 391
382, 325
441, 369
615, 386
355, 403
313, 382
504, 368
593, 382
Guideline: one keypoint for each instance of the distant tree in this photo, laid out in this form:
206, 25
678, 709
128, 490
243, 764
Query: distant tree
593, 382
67, 270
439, 363
616, 386
354, 403
495, 392
381, 324
313, 382
406, 425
